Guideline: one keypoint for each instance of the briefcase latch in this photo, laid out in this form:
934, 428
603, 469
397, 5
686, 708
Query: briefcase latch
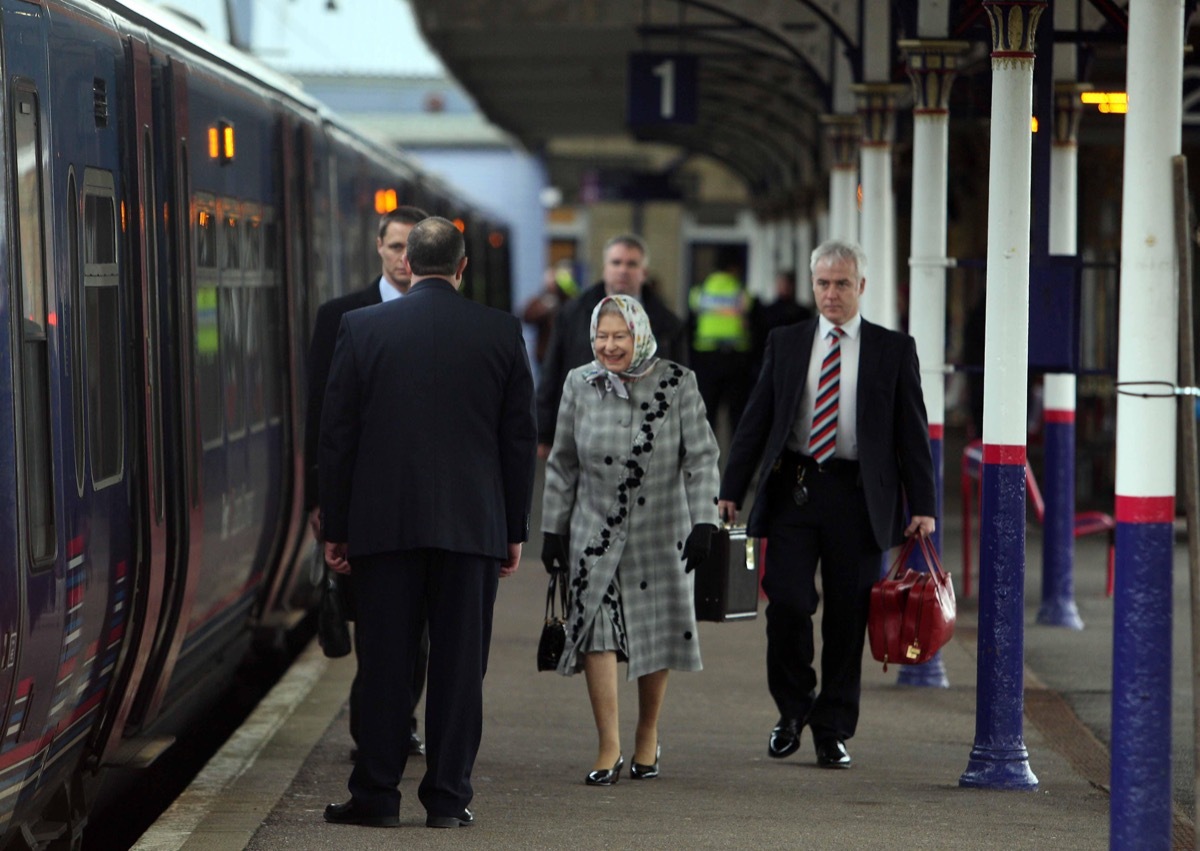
913, 651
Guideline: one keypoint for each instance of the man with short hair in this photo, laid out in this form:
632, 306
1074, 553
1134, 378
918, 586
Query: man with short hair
837, 420
391, 243
625, 260
428, 443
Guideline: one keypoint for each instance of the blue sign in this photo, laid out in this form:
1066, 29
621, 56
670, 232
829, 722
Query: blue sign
662, 89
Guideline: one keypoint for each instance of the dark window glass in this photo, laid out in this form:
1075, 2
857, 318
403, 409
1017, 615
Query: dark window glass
35, 367
102, 328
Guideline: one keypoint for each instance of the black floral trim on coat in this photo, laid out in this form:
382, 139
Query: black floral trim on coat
618, 513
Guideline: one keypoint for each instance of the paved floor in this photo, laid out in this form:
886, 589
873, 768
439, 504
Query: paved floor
718, 789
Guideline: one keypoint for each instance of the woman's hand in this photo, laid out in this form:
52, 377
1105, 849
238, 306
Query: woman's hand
555, 552
698, 545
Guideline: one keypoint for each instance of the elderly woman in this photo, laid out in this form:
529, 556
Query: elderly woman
629, 509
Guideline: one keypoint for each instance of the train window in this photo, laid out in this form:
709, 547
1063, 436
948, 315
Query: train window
230, 257
35, 366
231, 321
253, 244
208, 336
102, 328
74, 293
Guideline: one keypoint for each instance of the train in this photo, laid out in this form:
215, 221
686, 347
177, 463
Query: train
172, 215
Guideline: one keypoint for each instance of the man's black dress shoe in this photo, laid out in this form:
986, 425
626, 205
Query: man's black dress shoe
637, 771
832, 754
605, 776
785, 738
464, 819
415, 746
349, 813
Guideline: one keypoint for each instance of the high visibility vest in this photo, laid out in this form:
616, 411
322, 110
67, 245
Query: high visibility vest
720, 305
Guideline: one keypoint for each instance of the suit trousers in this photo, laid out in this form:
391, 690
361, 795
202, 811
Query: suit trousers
398, 593
831, 531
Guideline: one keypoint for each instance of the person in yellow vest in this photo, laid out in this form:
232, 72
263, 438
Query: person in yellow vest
719, 308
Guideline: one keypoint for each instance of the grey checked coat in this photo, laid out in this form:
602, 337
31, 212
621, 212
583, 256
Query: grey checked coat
626, 481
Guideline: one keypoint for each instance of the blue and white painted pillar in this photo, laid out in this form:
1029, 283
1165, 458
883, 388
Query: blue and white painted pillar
931, 67
877, 108
842, 135
999, 759
1140, 809
1058, 480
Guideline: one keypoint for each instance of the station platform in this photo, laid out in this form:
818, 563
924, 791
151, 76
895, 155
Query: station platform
718, 789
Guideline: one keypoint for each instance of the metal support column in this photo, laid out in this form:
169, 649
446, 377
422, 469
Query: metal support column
876, 106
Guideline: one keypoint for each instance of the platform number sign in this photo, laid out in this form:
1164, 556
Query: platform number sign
662, 89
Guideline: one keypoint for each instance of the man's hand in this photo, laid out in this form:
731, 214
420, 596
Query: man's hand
727, 509
543, 451
509, 566
922, 526
335, 557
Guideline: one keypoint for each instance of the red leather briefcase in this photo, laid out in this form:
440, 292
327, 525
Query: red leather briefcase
912, 612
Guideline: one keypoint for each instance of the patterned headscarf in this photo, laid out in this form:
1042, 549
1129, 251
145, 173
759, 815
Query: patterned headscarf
644, 347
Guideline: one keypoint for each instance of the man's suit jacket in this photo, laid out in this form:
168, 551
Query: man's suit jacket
320, 355
570, 346
892, 429
428, 437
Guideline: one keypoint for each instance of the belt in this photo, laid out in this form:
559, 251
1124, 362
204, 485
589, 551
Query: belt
790, 460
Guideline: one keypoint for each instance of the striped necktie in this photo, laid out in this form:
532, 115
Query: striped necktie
822, 439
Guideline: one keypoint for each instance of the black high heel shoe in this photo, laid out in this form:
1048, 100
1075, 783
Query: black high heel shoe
606, 776
637, 771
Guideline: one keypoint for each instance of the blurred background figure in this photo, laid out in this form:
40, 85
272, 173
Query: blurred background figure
719, 314
558, 287
784, 310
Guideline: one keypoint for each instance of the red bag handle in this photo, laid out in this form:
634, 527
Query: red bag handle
928, 551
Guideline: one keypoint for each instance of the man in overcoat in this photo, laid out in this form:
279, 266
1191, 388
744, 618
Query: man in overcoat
838, 421
391, 243
428, 444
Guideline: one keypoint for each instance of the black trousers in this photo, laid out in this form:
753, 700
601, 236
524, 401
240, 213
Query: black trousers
418, 681
831, 532
397, 594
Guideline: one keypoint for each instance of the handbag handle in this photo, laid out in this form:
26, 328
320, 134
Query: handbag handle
556, 586
928, 551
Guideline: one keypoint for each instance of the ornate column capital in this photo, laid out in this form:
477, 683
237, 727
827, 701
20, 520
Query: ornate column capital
1014, 29
842, 134
877, 108
1067, 110
932, 66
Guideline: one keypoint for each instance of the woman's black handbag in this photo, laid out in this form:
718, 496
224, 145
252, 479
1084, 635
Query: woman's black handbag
333, 631
554, 630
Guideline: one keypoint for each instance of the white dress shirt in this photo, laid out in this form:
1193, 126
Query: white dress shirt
386, 291
847, 437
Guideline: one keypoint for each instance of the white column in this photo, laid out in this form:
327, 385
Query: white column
842, 137
876, 106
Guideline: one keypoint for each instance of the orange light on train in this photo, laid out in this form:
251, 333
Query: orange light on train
52, 320
385, 201
122, 215
495, 239
221, 142
1033, 124
461, 225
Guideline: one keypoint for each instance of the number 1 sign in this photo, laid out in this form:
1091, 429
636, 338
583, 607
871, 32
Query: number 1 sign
662, 89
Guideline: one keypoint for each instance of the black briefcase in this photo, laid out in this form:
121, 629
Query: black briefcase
727, 581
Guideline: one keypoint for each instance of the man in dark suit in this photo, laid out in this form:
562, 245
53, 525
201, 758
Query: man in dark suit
427, 451
570, 343
832, 496
392, 283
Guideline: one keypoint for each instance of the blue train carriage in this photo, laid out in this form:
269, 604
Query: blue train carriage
145, 407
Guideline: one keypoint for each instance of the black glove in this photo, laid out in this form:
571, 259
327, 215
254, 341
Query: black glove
698, 545
555, 552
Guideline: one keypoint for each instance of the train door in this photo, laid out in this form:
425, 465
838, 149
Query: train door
175, 283
151, 514
29, 635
